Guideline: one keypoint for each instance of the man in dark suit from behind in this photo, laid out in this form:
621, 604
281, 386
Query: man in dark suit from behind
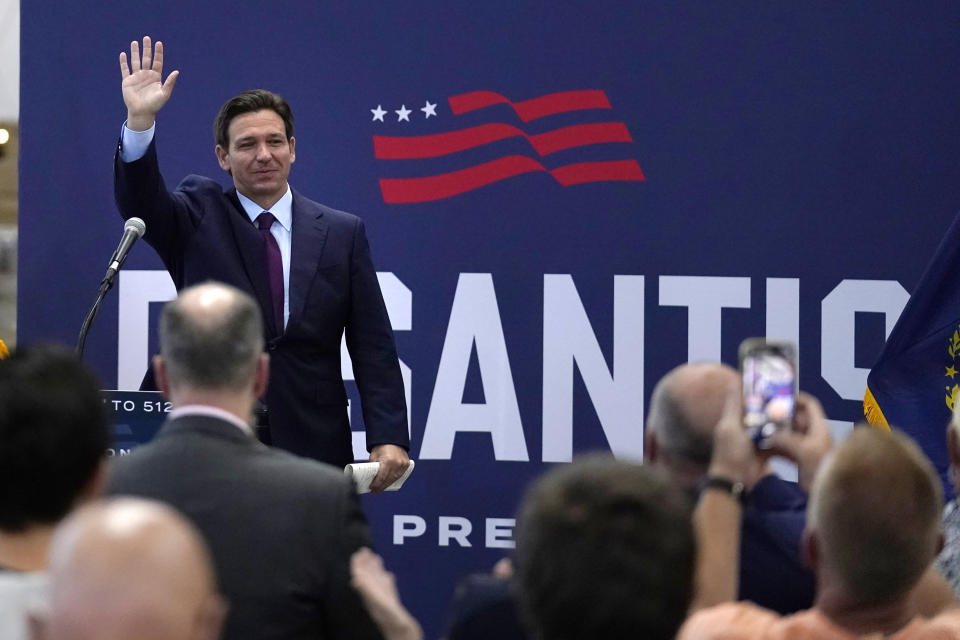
281, 528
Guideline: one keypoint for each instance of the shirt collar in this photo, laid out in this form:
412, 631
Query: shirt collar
282, 210
213, 412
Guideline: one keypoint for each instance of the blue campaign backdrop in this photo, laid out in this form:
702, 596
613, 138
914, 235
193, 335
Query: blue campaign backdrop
599, 192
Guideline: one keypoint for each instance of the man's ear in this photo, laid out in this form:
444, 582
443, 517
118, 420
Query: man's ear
650, 447
810, 550
261, 375
93, 488
160, 375
223, 157
209, 622
38, 626
953, 446
293, 149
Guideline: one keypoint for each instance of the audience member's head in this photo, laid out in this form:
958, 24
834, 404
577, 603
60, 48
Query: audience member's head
130, 568
605, 549
211, 340
873, 521
684, 409
53, 436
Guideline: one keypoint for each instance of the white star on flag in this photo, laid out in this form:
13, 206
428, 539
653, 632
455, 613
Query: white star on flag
403, 113
429, 109
378, 113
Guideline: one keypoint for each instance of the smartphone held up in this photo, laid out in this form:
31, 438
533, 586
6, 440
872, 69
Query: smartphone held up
769, 372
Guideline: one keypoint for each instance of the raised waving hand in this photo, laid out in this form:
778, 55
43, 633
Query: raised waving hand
144, 90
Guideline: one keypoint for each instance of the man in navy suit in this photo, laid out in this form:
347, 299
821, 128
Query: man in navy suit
307, 265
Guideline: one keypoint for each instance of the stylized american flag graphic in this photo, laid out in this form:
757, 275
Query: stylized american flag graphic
460, 179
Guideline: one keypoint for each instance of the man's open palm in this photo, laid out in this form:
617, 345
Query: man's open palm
144, 91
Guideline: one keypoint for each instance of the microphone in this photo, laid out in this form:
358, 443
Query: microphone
133, 230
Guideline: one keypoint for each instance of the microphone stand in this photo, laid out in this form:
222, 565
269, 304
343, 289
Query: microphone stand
105, 285
133, 230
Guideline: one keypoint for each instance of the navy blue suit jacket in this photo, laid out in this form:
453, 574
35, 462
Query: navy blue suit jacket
773, 573
202, 233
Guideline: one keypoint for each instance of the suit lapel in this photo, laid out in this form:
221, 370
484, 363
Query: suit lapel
307, 243
250, 247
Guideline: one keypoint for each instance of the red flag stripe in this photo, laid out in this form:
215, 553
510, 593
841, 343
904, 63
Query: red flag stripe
580, 135
425, 189
406, 190
612, 171
535, 107
441, 144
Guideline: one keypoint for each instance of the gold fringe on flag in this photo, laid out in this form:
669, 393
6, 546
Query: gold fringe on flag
872, 411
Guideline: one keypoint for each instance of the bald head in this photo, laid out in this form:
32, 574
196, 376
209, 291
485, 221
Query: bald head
874, 512
211, 337
131, 568
684, 409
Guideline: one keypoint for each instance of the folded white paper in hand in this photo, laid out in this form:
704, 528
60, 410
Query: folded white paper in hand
363, 474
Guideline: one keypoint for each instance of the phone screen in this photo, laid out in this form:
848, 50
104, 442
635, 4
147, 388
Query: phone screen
768, 391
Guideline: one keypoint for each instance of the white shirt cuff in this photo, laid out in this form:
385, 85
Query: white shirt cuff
134, 144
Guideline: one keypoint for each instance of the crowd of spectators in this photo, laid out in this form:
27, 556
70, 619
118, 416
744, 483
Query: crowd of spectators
205, 533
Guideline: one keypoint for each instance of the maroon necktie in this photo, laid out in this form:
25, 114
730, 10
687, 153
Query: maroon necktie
274, 266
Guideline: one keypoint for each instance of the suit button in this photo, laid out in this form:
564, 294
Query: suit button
271, 346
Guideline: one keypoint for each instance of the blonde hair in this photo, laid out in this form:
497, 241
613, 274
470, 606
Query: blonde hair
875, 510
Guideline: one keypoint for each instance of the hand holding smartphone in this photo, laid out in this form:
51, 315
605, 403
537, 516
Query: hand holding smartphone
769, 373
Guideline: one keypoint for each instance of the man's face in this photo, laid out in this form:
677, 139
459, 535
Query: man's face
259, 156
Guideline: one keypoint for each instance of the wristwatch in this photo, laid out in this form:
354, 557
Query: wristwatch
735, 488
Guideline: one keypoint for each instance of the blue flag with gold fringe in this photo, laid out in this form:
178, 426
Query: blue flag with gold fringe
914, 385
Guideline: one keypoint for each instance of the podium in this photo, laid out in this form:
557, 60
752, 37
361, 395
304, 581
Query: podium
136, 417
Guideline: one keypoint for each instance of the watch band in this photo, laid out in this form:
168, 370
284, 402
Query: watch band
735, 488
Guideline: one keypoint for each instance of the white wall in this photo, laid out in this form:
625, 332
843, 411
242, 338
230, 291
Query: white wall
9, 60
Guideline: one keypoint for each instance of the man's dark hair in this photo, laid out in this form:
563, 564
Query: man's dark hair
248, 102
605, 549
53, 435
211, 346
